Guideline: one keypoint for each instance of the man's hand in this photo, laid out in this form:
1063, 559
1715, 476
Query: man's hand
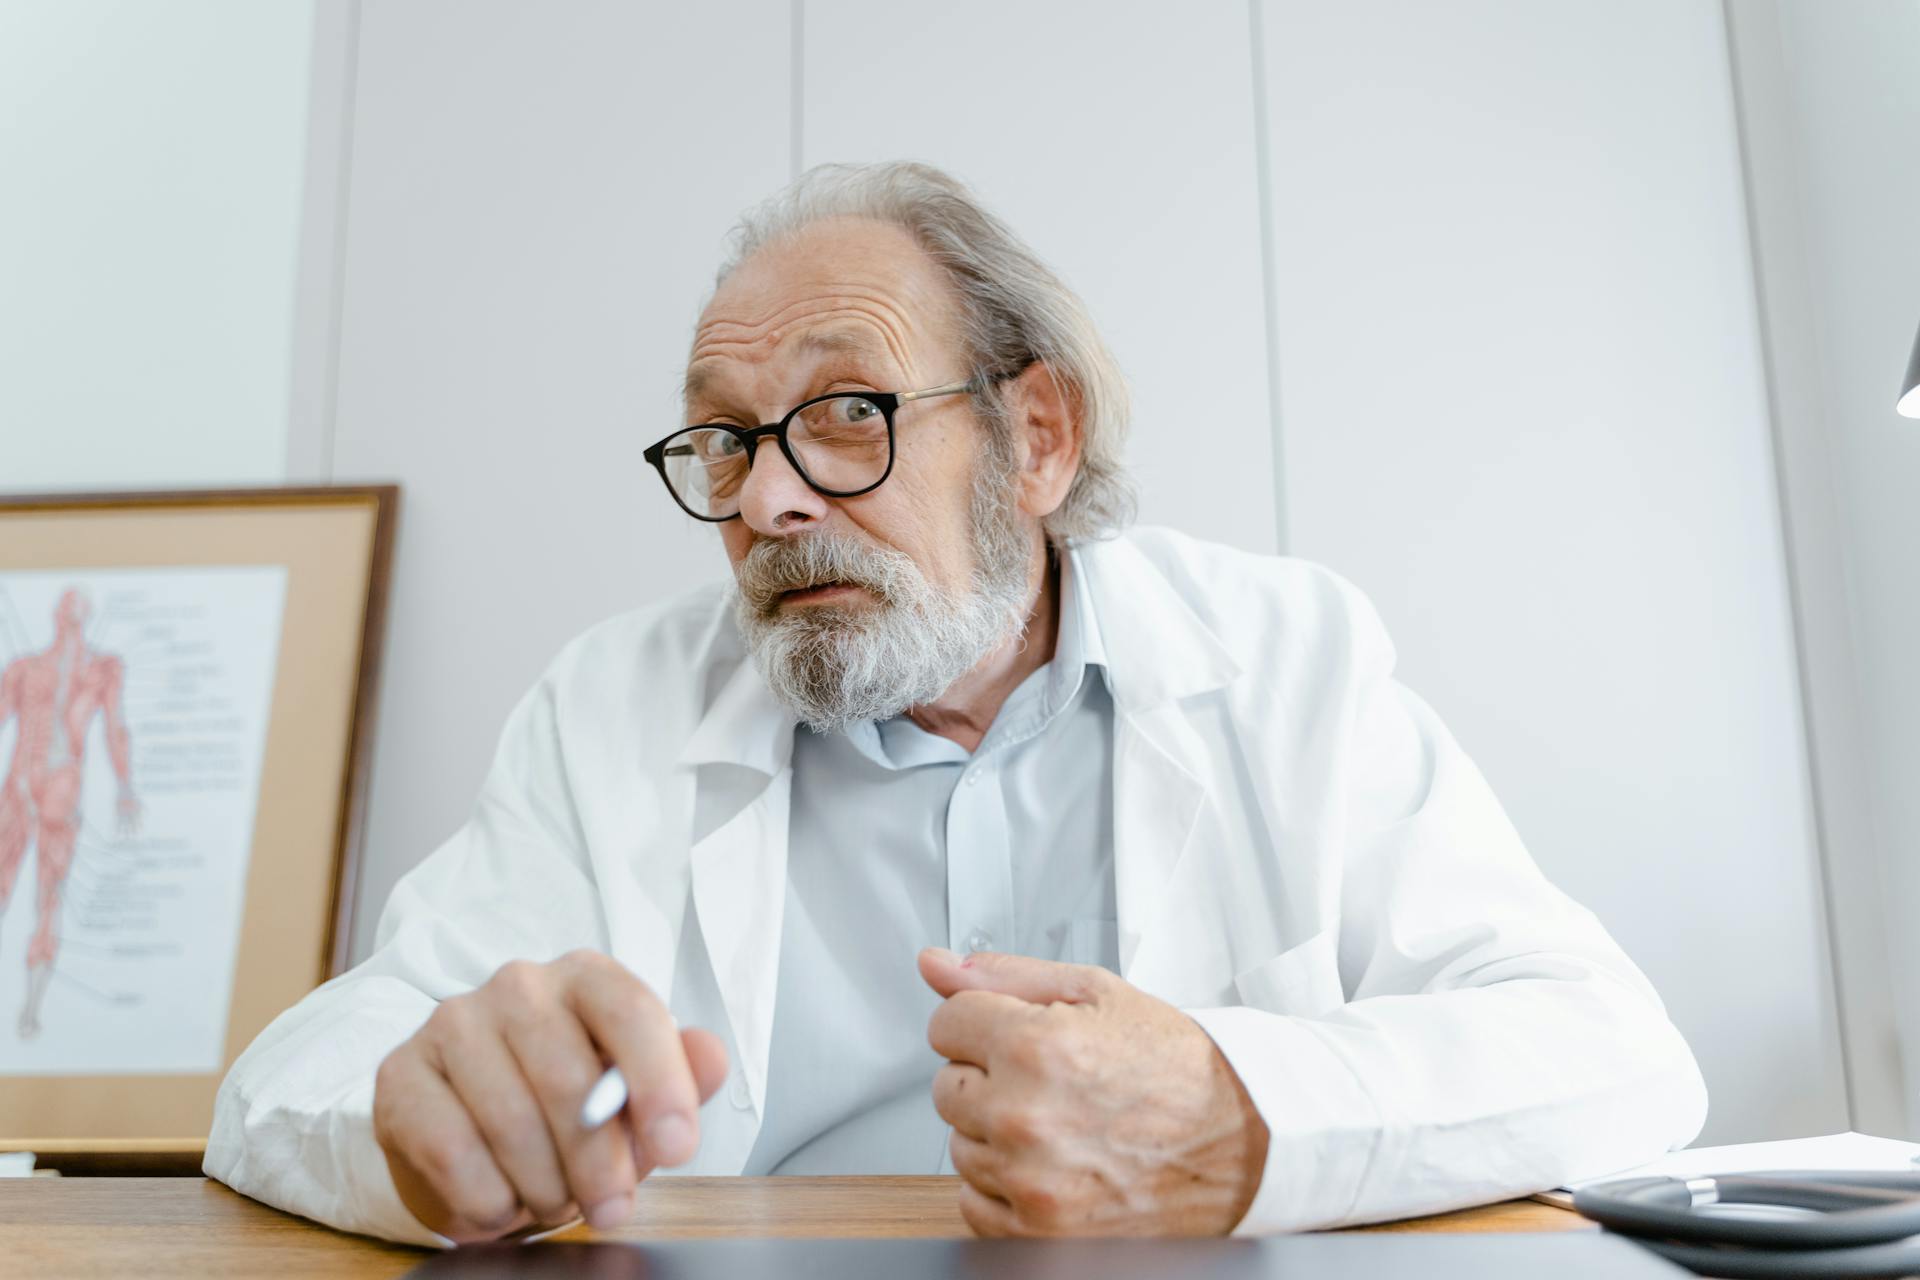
1081, 1105
479, 1113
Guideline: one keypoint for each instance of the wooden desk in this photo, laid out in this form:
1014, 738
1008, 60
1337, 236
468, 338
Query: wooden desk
196, 1228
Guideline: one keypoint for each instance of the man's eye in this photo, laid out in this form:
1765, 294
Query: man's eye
714, 446
857, 409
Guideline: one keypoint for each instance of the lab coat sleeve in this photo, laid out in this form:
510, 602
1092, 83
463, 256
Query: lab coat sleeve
1494, 1040
293, 1121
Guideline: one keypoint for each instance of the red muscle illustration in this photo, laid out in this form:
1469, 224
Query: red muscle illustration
54, 695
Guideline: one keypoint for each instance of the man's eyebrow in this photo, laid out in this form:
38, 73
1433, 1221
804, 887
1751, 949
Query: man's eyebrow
698, 378
849, 342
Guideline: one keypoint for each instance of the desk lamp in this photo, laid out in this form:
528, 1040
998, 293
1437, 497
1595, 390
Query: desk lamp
1910, 387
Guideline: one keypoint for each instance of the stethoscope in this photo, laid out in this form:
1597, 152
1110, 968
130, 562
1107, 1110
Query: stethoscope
1782, 1224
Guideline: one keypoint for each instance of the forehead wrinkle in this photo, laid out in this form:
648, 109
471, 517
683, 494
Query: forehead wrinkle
873, 306
842, 348
737, 339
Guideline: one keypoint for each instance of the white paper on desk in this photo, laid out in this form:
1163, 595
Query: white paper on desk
1834, 1151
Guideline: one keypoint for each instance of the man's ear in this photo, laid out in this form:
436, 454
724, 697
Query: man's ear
1047, 434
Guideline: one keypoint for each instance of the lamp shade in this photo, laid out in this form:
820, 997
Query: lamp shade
1910, 385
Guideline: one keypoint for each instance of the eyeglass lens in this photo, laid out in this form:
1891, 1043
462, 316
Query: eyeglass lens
842, 446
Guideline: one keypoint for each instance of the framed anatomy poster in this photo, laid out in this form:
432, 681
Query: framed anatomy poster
186, 698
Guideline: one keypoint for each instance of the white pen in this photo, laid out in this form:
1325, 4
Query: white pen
604, 1100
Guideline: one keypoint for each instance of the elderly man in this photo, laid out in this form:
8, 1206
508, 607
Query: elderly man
963, 830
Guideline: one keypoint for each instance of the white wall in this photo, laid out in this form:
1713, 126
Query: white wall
151, 164
1523, 406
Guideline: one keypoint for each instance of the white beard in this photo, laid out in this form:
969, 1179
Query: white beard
836, 666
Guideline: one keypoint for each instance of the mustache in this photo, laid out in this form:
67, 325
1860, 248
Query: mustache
779, 565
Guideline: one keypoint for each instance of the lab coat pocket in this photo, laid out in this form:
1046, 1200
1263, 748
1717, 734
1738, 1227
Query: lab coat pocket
1303, 980
1095, 941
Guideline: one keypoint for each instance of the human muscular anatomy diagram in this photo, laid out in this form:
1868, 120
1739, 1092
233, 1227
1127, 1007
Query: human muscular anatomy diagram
120, 950
54, 695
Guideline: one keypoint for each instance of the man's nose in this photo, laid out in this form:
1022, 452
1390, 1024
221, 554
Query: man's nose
775, 499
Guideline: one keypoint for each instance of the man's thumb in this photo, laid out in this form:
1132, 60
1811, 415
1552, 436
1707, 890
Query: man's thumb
1035, 981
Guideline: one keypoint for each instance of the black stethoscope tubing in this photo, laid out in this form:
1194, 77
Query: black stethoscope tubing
1862, 1224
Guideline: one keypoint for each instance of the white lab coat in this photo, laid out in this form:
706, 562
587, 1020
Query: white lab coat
1304, 859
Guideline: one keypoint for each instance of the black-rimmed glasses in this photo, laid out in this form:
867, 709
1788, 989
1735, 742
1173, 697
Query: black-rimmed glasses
841, 444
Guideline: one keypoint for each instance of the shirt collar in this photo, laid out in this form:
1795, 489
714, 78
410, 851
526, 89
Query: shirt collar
1077, 644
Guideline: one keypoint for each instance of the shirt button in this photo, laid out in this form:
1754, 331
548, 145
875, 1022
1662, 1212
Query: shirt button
979, 940
739, 1094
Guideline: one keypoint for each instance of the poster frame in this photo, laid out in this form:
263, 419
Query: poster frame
340, 536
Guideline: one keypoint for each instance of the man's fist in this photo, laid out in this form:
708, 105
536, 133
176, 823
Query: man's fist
1081, 1105
479, 1113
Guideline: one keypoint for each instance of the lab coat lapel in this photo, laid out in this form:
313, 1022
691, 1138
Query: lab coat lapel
739, 869
739, 892
1157, 794
1158, 652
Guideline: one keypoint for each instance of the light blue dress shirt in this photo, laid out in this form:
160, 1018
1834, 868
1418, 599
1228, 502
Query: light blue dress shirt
902, 839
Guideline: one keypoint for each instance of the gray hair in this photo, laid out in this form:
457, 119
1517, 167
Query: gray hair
1014, 311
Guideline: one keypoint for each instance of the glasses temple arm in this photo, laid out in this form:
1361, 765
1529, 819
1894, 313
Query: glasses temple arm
951, 389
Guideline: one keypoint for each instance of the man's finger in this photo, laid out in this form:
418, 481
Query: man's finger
966, 1027
439, 1142
960, 1097
1035, 981
561, 1063
988, 1215
634, 1029
979, 1164
708, 1058
494, 1090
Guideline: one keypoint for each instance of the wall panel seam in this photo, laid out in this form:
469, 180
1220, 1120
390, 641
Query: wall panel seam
798, 65
1269, 265
349, 116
